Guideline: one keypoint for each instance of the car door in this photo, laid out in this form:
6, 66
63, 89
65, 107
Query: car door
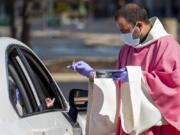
30, 84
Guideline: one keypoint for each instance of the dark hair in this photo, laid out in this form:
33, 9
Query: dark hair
133, 12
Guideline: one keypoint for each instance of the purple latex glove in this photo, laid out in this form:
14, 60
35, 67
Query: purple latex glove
122, 75
81, 67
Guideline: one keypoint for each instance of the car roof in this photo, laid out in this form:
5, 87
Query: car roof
5, 42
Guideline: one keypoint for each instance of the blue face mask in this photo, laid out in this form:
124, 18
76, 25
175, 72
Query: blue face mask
129, 40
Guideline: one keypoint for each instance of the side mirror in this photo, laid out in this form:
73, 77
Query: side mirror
78, 100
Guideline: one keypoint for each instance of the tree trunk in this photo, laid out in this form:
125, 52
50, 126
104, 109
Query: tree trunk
168, 8
25, 35
11, 12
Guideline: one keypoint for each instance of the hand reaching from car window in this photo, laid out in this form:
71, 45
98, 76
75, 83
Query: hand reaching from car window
49, 102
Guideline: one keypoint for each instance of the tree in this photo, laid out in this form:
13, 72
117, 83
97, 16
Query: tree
10, 10
25, 34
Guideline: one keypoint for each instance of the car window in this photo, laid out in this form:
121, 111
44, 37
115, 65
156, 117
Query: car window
19, 91
15, 96
46, 88
31, 88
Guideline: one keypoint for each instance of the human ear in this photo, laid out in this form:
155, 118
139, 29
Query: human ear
138, 29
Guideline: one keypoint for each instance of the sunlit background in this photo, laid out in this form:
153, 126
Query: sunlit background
61, 31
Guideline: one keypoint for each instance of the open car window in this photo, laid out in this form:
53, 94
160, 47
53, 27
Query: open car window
30, 84
45, 86
20, 93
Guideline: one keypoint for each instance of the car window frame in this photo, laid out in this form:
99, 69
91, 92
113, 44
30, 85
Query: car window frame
60, 96
17, 75
65, 107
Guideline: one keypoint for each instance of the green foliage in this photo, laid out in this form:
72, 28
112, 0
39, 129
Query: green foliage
61, 7
82, 10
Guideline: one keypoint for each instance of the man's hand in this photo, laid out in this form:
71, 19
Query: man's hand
122, 75
81, 67
49, 102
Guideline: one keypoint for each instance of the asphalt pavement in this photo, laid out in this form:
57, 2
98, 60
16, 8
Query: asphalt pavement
56, 48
